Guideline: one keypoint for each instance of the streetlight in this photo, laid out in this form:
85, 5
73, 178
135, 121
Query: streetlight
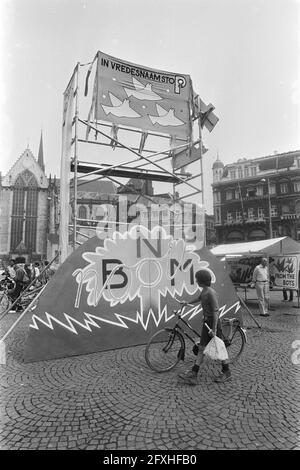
269, 199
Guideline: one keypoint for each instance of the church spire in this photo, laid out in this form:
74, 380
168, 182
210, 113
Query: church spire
41, 154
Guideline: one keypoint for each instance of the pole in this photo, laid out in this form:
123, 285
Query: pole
76, 159
248, 310
270, 216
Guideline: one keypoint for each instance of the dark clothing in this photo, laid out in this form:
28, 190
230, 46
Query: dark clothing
22, 280
285, 296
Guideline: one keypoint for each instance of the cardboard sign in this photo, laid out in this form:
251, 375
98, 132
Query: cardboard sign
284, 271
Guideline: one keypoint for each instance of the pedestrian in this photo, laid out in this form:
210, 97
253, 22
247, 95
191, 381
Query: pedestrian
37, 273
260, 281
285, 294
21, 279
210, 306
11, 269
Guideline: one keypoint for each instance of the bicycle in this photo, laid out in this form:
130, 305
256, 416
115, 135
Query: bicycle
7, 287
167, 346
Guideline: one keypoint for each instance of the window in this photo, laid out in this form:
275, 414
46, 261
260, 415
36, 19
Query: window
251, 192
273, 211
246, 172
259, 191
24, 211
229, 217
260, 212
217, 196
238, 216
283, 188
82, 212
253, 171
285, 209
228, 195
272, 188
217, 215
237, 194
232, 174
250, 213
240, 173
297, 186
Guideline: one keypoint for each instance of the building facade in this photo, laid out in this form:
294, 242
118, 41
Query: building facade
30, 209
257, 199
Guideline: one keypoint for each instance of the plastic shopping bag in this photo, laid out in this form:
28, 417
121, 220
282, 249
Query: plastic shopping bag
216, 349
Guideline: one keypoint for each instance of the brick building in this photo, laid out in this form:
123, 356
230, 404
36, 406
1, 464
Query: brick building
254, 197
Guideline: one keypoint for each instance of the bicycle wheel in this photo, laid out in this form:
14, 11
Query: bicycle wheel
164, 350
4, 301
235, 344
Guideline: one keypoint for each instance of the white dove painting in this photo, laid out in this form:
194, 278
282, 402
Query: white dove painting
141, 91
120, 108
165, 118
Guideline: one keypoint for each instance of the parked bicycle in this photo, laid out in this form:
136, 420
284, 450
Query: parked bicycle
168, 346
7, 287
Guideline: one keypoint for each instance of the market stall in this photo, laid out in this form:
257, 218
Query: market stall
283, 256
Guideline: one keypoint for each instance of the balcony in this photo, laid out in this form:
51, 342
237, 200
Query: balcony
290, 216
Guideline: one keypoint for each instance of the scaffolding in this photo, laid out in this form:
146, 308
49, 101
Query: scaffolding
138, 153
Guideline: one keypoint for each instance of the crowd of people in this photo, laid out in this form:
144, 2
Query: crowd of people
18, 275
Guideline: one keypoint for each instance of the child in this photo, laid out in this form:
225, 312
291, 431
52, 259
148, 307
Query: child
209, 300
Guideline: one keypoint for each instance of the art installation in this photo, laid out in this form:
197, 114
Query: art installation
116, 287
115, 293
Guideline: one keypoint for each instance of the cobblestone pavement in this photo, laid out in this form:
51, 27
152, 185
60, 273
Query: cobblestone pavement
113, 401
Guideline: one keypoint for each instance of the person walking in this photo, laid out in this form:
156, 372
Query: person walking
21, 279
260, 281
11, 269
210, 305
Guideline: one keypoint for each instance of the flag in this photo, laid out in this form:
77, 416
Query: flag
148, 99
207, 117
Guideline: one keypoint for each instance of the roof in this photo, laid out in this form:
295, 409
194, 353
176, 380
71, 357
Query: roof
272, 246
101, 187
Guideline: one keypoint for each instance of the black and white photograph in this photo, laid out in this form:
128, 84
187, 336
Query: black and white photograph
149, 228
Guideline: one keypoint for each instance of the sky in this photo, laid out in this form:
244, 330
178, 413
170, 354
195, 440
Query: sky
242, 55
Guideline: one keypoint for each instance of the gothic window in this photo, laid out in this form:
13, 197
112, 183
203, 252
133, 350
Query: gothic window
24, 212
82, 212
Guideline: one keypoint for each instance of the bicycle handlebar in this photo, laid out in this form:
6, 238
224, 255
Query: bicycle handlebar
183, 303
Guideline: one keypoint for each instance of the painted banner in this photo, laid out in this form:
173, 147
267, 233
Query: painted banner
284, 271
117, 292
241, 269
145, 98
